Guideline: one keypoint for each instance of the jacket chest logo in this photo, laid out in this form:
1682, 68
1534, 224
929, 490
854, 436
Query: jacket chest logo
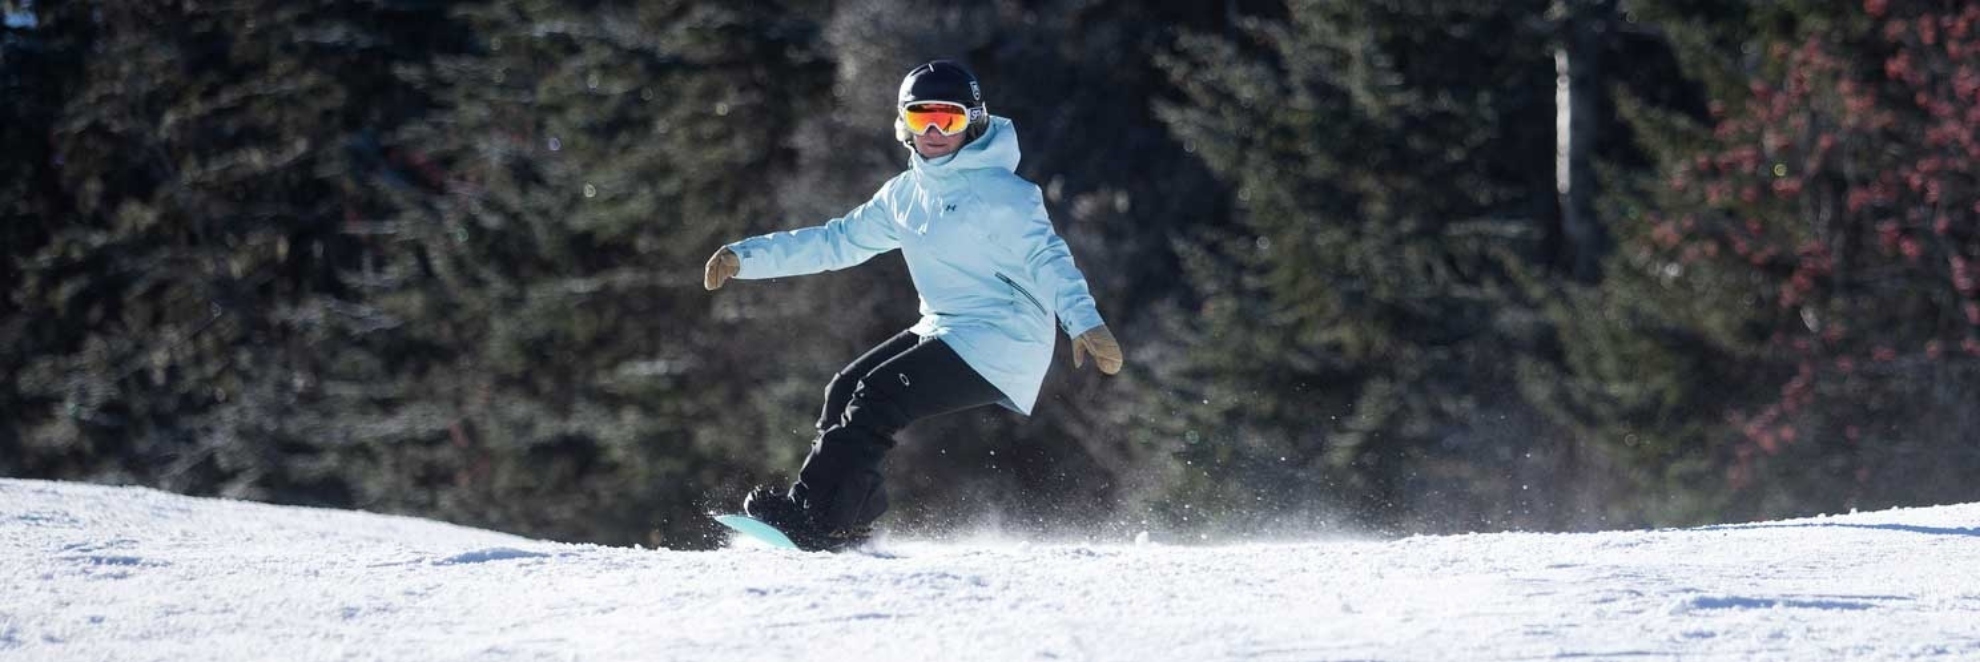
948, 207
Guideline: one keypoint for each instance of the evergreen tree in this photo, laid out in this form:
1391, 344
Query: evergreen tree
1361, 341
192, 220
41, 50
408, 257
547, 361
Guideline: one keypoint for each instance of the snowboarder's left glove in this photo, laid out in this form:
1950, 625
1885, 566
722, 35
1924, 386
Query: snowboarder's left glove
1099, 342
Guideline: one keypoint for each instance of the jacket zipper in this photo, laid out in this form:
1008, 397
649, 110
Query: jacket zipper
1020, 290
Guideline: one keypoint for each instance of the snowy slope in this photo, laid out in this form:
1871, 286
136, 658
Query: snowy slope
97, 573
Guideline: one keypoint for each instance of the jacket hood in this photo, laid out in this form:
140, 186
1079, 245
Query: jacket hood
996, 148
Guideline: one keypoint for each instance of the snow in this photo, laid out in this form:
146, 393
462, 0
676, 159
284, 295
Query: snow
106, 573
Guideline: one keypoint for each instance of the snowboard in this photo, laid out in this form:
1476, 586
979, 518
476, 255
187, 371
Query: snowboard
755, 528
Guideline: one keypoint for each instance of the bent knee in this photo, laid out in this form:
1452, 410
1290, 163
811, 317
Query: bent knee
880, 387
874, 402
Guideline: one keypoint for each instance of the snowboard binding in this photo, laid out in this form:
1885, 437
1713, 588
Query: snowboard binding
776, 507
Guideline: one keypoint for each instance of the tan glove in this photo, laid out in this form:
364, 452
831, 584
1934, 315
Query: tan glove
723, 266
1099, 342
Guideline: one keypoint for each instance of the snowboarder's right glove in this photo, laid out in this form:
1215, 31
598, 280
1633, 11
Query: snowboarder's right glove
1099, 342
723, 266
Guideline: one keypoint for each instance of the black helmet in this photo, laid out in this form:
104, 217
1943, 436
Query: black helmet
943, 80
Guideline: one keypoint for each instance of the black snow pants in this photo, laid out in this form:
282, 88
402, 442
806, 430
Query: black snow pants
903, 380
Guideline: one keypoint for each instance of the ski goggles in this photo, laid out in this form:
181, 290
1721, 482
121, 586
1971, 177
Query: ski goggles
947, 117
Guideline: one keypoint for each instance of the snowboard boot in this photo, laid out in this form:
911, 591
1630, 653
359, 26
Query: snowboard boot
775, 507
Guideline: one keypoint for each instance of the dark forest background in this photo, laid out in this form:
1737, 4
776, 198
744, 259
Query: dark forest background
1392, 266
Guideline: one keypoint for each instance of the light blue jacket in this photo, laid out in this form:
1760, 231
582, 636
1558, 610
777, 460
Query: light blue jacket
992, 273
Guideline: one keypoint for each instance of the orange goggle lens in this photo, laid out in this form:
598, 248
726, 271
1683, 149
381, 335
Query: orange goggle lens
948, 118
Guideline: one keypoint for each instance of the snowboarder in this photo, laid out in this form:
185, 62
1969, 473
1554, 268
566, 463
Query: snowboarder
993, 276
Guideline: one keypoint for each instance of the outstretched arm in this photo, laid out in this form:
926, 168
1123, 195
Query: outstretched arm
864, 232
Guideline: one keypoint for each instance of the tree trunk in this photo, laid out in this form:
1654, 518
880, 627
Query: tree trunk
1578, 72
